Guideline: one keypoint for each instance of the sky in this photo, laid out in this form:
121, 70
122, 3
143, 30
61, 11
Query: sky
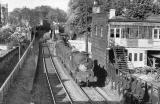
62, 4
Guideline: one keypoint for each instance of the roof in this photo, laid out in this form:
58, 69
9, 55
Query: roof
156, 56
154, 17
151, 19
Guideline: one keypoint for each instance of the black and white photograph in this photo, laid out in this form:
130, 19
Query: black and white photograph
79, 51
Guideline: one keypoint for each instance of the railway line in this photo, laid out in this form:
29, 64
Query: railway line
91, 95
57, 96
94, 96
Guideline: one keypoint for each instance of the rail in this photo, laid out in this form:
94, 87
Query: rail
47, 77
6, 85
58, 75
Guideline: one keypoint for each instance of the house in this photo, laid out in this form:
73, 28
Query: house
126, 43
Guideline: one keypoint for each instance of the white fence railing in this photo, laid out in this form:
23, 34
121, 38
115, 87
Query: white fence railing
6, 85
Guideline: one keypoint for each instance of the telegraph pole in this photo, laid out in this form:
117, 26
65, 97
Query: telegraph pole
86, 25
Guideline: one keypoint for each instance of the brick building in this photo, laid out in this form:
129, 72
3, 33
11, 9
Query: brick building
125, 43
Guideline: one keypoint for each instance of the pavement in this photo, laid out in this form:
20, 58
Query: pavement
20, 91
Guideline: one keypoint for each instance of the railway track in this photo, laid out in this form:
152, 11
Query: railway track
93, 95
58, 91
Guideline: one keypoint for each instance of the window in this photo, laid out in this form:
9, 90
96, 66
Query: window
156, 33
133, 32
130, 56
101, 31
141, 57
115, 32
135, 56
142, 32
96, 30
123, 33
128, 33
112, 33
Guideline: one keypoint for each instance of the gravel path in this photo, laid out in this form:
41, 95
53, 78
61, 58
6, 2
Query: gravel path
72, 87
19, 93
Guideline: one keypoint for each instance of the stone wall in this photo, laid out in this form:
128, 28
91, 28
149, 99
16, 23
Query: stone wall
7, 57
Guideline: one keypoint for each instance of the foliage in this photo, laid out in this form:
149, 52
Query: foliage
139, 9
79, 16
5, 33
56, 15
20, 35
134, 9
21, 16
79, 13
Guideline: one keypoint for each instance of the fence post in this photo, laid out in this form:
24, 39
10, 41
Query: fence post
158, 95
151, 93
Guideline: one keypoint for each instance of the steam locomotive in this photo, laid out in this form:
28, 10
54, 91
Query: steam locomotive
77, 63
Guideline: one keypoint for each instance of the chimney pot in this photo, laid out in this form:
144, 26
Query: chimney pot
112, 13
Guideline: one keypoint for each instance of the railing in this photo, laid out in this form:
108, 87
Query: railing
6, 85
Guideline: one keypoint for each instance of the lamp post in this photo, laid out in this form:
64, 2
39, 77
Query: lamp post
19, 48
86, 25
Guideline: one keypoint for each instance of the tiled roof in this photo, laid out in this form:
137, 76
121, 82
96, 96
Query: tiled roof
152, 19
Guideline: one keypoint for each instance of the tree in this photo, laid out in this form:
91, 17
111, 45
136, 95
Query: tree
134, 9
56, 15
14, 16
34, 16
139, 9
79, 16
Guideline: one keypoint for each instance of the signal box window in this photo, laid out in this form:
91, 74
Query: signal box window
101, 31
135, 56
156, 33
130, 56
141, 57
95, 30
112, 33
117, 33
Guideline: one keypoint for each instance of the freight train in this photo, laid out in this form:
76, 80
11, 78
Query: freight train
77, 63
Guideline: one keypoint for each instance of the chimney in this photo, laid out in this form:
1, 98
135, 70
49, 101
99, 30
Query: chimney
96, 7
112, 13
